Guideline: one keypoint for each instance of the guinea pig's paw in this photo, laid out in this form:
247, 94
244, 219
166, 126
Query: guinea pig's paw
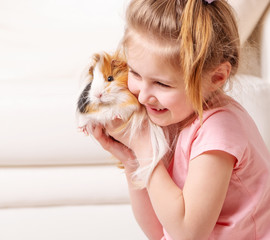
118, 116
84, 130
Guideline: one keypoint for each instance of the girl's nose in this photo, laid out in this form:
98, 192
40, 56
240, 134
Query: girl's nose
145, 96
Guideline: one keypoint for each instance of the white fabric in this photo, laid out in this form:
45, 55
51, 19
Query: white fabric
248, 13
254, 95
52, 186
38, 126
70, 223
265, 46
45, 40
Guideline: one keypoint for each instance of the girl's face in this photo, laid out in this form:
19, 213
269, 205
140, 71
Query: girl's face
158, 86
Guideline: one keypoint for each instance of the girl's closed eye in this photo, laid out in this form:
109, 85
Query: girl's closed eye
162, 84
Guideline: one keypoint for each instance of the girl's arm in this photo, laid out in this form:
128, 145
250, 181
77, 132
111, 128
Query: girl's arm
193, 212
141, 205
188, 214
143, 211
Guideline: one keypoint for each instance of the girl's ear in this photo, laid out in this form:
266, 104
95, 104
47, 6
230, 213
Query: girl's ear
220, 75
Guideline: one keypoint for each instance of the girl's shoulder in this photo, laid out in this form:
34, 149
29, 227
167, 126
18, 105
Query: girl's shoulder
230, 116
230, 108
227, 128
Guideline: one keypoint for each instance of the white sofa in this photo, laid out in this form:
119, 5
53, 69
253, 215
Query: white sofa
55, 183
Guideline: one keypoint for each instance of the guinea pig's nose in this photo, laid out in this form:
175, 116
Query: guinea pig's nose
98, 95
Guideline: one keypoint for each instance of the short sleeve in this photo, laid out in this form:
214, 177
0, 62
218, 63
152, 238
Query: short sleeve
223, 131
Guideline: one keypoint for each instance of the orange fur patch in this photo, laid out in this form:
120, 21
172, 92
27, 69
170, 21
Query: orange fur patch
92, 108
115, 66
131, 101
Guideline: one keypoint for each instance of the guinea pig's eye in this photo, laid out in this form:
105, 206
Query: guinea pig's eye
110, 78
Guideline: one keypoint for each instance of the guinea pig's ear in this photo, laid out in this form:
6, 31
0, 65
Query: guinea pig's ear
114, 63
118, 64
95, 58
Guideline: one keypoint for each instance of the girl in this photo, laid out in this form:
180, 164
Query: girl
217, 184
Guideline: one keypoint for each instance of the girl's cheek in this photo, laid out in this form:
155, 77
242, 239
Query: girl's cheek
133, 86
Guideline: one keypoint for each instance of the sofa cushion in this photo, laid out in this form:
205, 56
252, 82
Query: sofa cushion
253, 94
248, 13
55, 186
45, 40
38, 126
101, 222
265, 46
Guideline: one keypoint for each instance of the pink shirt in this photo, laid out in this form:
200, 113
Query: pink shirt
246, 211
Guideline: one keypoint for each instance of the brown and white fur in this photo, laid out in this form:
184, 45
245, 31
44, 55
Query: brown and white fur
105, 97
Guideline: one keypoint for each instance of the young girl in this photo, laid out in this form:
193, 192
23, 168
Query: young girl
217, 184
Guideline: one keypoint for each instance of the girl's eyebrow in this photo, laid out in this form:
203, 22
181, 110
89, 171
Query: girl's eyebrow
132, 70
152, 78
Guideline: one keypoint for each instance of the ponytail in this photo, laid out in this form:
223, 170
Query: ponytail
195, 38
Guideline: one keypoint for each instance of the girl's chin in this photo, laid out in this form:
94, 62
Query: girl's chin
159, 121
159, 117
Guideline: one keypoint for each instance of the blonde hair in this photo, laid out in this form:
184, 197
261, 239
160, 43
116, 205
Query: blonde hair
192, 35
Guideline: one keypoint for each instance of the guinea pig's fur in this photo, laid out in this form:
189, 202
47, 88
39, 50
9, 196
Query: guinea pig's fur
105, 97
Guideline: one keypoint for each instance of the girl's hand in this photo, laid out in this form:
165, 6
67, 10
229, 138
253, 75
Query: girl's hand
140, 143
121, 147
116, 148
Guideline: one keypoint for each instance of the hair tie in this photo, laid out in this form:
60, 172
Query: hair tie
209, 1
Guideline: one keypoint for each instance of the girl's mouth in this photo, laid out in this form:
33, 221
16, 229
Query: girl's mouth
153, 110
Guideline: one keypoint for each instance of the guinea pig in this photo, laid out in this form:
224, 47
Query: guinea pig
105, 96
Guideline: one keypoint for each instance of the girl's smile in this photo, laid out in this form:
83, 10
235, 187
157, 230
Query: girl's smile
154, 110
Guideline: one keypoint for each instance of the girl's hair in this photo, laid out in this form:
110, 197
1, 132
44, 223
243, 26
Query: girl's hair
192, 35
